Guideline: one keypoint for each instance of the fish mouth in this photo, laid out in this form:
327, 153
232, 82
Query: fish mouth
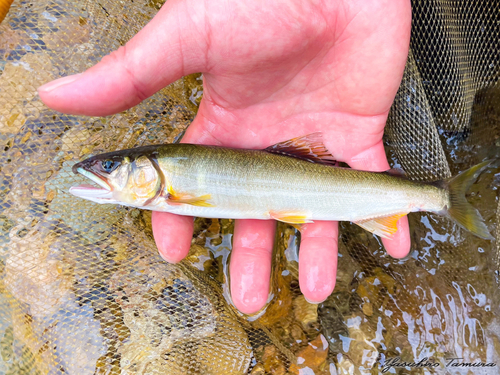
92, 193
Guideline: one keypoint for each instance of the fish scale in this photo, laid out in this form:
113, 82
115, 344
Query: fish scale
282, 183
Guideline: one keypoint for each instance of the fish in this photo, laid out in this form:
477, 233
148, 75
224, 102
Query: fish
296, 181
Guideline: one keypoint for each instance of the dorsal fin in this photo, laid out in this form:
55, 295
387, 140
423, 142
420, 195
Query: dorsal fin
309, 147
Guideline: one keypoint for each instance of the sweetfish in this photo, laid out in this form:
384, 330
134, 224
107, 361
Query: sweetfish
295, 181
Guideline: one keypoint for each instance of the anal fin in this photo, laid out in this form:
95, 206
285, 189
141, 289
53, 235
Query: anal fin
384, 227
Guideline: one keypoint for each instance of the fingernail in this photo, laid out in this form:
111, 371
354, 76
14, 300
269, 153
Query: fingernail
168, 259
58, 83
314, 302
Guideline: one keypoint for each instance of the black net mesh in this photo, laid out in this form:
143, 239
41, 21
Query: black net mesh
83, 290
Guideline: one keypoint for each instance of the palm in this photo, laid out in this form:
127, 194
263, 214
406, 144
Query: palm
330, 74
273, 70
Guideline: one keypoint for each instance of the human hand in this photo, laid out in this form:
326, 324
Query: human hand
272, 70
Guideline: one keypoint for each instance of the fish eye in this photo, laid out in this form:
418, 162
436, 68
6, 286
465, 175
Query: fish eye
109, 165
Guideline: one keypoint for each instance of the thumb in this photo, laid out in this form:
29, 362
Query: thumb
166, 49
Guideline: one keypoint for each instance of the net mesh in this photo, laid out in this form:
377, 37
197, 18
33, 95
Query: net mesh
83, 290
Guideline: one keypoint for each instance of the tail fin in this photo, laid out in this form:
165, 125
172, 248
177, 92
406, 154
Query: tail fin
461, 211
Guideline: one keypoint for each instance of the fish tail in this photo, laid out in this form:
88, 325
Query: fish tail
461, 211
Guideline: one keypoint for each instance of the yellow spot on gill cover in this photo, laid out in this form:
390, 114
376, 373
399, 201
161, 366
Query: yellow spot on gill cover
145, 182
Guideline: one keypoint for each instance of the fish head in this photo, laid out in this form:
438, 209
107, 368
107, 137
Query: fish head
130, 180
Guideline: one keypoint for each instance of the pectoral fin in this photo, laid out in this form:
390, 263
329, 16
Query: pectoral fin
384, 227
183, 198
290, 217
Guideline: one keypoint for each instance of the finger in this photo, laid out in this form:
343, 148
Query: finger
374, 159
399, 245
167, 48
173, 234
318, 260
250, 268
202, 131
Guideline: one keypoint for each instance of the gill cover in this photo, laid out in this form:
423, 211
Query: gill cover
144, 181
